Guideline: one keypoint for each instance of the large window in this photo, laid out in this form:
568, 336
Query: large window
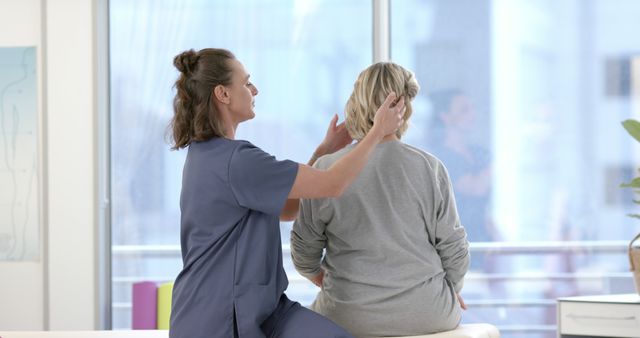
521, 100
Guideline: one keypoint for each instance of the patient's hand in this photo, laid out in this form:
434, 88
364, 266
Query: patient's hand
317, 280
461, 301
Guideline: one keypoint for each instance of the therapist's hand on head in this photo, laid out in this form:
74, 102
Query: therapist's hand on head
389, 116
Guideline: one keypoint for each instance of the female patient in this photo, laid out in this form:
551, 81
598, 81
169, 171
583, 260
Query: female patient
396, 253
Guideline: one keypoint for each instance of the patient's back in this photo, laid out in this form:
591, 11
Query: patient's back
384, 275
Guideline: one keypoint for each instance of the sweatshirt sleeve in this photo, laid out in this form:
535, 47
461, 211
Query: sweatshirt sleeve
308, 238
450, 237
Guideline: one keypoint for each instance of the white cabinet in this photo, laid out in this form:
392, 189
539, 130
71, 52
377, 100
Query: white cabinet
599, 316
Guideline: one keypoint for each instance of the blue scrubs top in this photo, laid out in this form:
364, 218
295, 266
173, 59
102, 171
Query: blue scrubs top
232, 196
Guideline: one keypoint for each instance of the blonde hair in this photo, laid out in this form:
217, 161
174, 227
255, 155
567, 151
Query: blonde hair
369, 92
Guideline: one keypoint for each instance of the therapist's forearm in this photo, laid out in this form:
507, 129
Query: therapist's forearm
291, 207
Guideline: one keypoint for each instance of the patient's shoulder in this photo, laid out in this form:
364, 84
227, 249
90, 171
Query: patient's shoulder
325, 161
422, 155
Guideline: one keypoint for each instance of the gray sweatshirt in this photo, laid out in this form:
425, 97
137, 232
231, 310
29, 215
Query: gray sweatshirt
396, 253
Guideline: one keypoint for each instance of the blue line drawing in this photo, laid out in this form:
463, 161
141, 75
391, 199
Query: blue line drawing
19, 180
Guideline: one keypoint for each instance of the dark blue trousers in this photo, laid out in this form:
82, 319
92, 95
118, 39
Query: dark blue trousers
292, 320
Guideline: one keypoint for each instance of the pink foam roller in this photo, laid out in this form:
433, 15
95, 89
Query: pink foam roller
143, 310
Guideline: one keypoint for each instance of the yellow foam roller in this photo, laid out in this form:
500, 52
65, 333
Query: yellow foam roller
164, 305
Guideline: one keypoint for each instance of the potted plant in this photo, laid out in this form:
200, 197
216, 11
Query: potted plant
633, 128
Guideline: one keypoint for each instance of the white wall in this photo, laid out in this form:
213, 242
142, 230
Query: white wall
60, 291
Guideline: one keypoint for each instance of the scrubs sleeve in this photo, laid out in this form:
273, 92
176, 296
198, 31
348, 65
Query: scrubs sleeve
259, 181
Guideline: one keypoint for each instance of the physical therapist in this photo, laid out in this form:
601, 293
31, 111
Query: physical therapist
232, 283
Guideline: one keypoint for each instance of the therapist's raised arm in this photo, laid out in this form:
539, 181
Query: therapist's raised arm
316, 183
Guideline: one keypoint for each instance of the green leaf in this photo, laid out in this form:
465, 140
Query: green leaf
634, 184
636, 201
634, 215
633, 128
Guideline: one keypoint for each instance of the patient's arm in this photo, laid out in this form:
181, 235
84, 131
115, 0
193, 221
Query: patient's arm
308, 238
450, 237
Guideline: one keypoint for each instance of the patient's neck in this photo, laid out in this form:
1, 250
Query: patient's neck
390, 137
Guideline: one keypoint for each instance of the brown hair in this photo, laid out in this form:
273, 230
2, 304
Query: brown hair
369, 92
195, 117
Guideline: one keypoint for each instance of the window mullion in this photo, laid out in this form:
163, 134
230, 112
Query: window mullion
381, 30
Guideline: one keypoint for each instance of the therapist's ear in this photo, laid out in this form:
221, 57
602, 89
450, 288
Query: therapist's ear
221, 94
